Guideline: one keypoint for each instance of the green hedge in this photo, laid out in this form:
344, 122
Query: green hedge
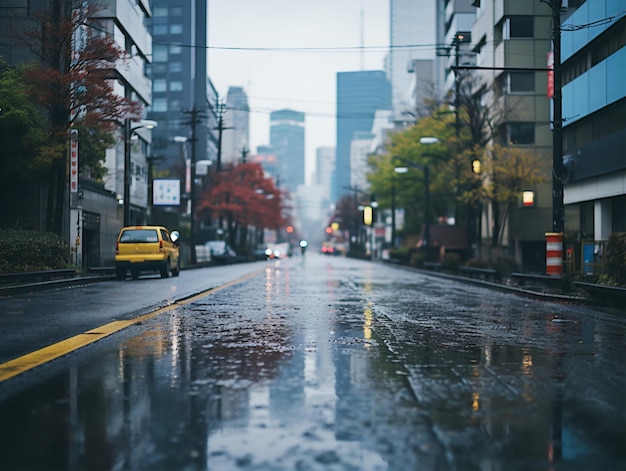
616, 257
31, 251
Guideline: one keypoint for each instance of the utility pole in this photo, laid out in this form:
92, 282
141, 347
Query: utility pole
194, 120
558, 214
221, 109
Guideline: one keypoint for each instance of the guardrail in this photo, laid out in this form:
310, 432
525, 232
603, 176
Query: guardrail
535, 279
36, 276
482, 273
614, 294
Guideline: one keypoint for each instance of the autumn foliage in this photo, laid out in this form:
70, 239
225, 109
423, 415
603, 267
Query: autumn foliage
244, 197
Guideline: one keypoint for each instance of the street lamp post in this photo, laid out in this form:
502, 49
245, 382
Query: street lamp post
129, 129
426, 171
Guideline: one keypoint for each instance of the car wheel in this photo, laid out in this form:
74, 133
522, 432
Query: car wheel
165, 269
176, 269
120, 273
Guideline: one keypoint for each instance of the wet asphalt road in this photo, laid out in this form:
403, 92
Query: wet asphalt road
333, 364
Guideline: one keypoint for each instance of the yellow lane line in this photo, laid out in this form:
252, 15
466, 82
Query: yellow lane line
29, 361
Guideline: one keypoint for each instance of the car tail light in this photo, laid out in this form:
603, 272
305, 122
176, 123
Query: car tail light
160, 246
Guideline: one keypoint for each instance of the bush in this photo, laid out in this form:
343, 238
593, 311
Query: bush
401, 254
31, 251
418, 257
616, 257
451, 262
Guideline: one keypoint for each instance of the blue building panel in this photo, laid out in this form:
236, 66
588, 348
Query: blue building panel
596, 82
590, 12
615, 80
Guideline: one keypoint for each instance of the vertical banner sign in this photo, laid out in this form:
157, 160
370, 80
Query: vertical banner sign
74, 168
75, 211
550, 74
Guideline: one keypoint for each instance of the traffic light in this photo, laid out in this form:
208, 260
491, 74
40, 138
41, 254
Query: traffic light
476, 166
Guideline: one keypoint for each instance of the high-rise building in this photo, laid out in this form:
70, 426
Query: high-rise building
511, 41
235, 137
411, 37
98, 215
594, 129
287, 140
183, 95
359, 95
324, 169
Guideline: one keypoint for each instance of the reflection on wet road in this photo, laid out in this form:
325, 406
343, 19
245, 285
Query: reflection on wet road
335, 364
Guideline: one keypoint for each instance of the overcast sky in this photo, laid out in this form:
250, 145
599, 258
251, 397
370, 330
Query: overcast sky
303, 80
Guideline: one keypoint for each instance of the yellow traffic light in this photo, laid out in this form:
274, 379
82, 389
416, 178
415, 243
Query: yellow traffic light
367, 215
476, 166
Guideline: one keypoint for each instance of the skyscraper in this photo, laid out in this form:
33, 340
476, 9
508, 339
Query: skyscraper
180, 81
411, 23
287, 141
235, 138
359, 95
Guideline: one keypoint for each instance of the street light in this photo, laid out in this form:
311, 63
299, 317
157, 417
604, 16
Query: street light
129, 128
424, 168
426, 171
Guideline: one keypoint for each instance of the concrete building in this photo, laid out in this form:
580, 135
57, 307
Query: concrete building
287, 137
359, 95
184, 99
324, 169
594, 130
96, 216
411, 37
235, 137
511, 40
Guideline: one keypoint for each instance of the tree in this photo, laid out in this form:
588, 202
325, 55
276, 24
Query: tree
508, 172
244, 197
404, 147
71, 83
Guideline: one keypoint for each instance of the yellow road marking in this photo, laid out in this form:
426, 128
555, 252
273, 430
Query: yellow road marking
29, 361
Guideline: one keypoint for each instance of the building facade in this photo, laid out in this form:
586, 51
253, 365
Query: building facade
287, 139
359, 95
94, 215
593, 59
235, 137
511, 40
411, 33
184, 99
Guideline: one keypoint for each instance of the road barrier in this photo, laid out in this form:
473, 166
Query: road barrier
554, 253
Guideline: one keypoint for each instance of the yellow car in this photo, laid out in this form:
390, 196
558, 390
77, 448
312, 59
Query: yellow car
147, 248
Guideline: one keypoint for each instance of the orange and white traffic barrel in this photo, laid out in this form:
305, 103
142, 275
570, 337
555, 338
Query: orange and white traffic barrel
554, 253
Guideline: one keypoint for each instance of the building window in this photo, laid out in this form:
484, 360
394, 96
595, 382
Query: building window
159, 30
520, 133
159, 53
159, 85
520, 82
521, 26
159, 11
176, 29
176, 86
175, 67
175, 49
159, 105
176, 11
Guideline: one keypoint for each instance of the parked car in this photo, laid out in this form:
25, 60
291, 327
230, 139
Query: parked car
221, 252
147, 248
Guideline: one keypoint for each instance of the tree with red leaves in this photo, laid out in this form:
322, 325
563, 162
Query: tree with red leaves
71, 81
243, 197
